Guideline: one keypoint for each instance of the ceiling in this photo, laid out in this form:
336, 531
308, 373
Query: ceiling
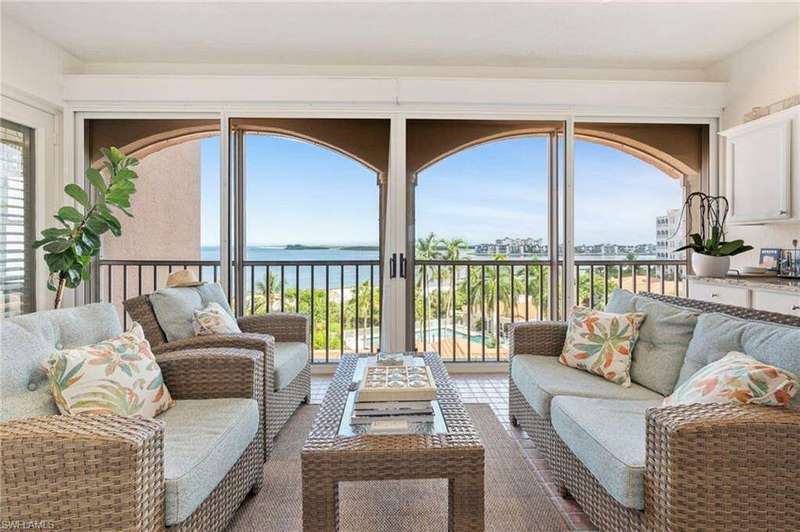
569, 35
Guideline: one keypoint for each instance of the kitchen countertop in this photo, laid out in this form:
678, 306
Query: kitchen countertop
776, 284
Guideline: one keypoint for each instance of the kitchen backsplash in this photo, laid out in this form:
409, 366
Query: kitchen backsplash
761, 236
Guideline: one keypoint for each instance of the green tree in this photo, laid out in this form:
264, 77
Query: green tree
598, 285
428, 248
260, 294
363, 323
453, 248
496, 289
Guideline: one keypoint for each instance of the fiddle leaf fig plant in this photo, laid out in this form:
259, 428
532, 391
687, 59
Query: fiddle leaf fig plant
710, 240
70, 246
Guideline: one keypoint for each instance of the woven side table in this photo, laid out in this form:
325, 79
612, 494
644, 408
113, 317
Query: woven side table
328, 458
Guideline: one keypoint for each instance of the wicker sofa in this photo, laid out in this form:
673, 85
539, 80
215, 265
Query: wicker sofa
188, 469
634, 465
282, 338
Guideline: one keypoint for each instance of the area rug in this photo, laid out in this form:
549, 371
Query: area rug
514, 498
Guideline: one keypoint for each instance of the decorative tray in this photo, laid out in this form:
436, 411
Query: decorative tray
403, 383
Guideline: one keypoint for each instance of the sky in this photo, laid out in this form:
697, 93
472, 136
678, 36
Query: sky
300, 193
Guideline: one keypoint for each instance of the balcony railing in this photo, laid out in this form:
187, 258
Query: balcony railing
342, 298
462, 309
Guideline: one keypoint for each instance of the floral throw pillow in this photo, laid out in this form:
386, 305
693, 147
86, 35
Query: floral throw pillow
601, 343
214, 320
737, 378
118, 376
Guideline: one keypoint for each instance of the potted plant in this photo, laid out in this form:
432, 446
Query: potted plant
69, 247
712, 253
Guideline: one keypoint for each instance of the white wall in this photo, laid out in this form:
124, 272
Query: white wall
31, 76
764, 72
32, 65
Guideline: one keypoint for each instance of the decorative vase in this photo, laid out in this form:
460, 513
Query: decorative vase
709, 266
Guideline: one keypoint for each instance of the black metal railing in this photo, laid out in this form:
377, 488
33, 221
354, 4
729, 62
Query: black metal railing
596, 279
341, 298
463, 308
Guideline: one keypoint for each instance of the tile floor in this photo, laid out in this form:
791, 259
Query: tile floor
492, 388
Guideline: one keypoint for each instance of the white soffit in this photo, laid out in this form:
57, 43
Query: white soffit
261, 93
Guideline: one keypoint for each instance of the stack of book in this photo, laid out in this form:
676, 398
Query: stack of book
410, 411
401, 394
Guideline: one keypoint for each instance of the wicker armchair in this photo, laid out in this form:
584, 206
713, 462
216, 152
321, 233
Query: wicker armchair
708, 467
261, 333
107, 472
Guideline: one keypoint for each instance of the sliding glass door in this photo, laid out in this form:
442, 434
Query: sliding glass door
484, 233
308, 194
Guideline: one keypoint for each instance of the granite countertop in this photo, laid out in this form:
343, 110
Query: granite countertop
777, 284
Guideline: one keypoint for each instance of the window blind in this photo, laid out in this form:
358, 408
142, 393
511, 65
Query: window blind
17, 230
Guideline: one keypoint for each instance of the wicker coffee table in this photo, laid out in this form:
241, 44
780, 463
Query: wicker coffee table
454, 453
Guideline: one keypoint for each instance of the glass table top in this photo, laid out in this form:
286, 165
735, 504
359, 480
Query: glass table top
438, 426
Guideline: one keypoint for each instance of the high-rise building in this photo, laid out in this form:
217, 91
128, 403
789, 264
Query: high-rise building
670, 235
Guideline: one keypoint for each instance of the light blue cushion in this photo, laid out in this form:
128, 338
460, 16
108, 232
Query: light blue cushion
290, 359
663, 339
716, 335
213, 293
28, 340
174, 307
541, 378
203, 439
610, 438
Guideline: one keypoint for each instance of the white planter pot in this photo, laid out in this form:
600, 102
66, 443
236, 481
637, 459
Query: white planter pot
708, 266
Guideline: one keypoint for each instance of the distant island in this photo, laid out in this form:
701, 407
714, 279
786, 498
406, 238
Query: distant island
303, 246
360, 248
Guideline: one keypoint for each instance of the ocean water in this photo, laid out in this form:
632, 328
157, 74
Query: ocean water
337, 276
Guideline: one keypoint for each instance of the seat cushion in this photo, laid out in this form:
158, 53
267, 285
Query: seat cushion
717, 334
290, 359
203, 439
609, 437
540, 378
663, 339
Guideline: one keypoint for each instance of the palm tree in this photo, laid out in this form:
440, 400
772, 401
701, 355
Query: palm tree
452, 253
453, 248
260, 294
428, 247
364, 295
494, 290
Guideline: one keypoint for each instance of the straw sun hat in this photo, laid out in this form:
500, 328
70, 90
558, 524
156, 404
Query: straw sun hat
182, 278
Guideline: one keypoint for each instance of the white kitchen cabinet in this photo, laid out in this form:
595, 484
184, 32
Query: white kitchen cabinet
762, 169
726, 295
784, 303
742, 293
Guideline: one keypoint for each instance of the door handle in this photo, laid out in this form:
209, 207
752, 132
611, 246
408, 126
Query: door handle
393, 266
402, 266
